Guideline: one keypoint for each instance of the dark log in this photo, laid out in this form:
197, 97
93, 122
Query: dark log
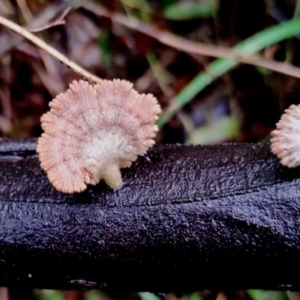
187, 218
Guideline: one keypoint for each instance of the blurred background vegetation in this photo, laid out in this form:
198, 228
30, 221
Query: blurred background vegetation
205, 99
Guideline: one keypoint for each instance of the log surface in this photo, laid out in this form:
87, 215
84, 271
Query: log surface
187, 218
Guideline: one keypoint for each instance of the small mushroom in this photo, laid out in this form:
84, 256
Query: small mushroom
285, 141
91, 132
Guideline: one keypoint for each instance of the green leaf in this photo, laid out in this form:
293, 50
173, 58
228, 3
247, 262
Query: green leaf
223, 129
186, 11
49, 295
297, 9
148, 296
218, 67
104, 44
267, 295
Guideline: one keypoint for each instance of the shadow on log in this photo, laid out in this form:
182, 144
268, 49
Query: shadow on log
228, 213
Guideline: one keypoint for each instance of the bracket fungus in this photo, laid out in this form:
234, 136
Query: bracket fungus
91, 131
285, 141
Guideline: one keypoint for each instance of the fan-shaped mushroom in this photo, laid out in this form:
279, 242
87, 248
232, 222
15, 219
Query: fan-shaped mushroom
285, 141
93, 131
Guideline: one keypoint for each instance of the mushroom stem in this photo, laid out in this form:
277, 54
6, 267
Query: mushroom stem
113, 177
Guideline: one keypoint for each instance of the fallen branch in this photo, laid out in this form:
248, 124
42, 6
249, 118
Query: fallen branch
212, 210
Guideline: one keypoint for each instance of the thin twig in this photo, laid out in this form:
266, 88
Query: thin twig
35, 40
39, 20
58, 21
189, 46
54, 83
164, 37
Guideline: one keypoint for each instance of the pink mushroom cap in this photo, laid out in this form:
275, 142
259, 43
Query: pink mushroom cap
285, 141
91, 132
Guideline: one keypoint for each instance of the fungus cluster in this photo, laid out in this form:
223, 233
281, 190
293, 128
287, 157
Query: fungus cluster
92, 131
285, 141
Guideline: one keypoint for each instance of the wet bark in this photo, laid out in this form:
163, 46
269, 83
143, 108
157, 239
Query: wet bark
187, 218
